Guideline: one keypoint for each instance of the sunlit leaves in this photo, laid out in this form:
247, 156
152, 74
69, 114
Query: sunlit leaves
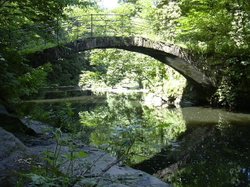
118, 68
33, 80
221, 26
76, 155
165, 20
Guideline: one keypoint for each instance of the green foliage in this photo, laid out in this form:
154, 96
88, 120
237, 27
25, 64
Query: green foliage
126, 9
33, 17
31, 81
233, 84
60, 115
131, 70
17, 79
67, 71
220, 29
206, 28
24, 22
63, 115
50, 174
161, 20
217, 31
48, 181
15, 13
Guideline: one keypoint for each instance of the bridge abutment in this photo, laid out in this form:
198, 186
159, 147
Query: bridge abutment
194, 95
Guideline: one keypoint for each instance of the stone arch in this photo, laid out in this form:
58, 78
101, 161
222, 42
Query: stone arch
169, 54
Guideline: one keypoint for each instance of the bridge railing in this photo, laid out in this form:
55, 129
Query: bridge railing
58, 32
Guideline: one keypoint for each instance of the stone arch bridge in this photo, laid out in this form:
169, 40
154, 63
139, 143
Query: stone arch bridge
169, 54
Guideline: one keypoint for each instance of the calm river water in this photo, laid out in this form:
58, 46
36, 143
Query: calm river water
192, 146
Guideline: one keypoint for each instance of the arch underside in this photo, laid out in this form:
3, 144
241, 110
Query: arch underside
168, 54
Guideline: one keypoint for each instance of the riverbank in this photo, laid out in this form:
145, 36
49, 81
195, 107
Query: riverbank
165, 142
48, 155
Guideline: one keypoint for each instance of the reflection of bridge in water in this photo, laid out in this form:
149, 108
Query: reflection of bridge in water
62, 38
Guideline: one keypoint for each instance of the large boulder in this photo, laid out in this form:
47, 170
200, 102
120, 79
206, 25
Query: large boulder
13, 158
12, 123
101, 169
95, 167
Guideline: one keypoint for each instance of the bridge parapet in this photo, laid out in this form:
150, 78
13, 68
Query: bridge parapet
59, 32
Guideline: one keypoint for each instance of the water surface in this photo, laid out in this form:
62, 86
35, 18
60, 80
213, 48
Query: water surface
192, 146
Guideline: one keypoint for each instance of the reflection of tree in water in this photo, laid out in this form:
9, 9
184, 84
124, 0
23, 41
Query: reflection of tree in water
124, 126
58, 114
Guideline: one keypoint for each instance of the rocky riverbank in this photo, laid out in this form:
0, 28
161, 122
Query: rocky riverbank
22, 154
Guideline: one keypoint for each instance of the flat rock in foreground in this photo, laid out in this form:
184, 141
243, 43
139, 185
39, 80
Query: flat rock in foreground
97, 167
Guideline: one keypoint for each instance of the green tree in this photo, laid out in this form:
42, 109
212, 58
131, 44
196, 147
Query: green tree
219, 31
118, 68
28, 15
